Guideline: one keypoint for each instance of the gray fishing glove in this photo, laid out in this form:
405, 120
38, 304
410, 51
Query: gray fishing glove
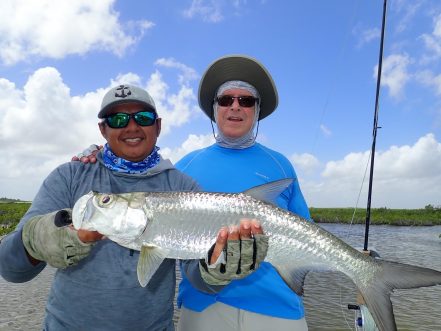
240, 259
59, 246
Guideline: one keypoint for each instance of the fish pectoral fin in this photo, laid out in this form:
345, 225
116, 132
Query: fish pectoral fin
270, 191
149, 261
294, 278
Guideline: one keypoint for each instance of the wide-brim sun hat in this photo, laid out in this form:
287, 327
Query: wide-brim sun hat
125, 94
238, 67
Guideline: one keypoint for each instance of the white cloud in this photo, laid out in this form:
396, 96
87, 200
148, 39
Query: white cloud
394, 73
405, 12
187, 75
426, 77
38, 28
192, 143
44, 126
174, 108
404, 177
306, 163
366, 36
209, 11
433, 41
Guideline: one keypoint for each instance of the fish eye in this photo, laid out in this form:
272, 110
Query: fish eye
104, 200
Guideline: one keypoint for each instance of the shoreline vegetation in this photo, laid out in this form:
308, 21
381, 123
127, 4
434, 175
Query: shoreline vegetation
426, 216
11, 211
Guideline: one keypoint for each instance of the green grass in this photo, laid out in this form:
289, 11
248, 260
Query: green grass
10, 215
12, 212
426, 216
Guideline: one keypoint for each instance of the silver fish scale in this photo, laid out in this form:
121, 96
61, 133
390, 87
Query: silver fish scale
178, 224
184, 225
178, 221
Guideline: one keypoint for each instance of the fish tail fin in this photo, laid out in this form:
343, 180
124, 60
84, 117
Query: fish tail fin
393, 275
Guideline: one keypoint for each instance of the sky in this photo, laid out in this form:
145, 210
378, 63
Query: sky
58, 58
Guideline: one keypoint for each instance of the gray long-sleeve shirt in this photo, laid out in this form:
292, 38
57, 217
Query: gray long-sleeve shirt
101, 292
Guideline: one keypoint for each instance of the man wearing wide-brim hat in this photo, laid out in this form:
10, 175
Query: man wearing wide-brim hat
236, 92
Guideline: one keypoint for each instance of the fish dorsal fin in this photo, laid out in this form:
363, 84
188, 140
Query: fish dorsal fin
149, 261
270, 191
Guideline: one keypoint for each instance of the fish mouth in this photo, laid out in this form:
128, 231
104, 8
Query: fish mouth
81, 210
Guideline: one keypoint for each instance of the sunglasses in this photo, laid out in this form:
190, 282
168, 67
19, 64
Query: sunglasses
244, 101
121, 120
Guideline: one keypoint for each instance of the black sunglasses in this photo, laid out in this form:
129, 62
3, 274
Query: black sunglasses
121, 120
244, 101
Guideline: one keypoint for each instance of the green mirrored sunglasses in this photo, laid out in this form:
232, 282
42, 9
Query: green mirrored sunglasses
121, 120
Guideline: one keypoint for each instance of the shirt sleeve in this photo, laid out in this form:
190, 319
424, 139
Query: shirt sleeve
297, 203
54, 194
190, 270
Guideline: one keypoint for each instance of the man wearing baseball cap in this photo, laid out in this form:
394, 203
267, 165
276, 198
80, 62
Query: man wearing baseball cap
96, 286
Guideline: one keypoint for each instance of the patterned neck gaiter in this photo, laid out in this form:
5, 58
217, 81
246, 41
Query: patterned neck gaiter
115, 163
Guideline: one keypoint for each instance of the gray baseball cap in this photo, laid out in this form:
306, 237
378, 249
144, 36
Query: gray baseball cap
125, 94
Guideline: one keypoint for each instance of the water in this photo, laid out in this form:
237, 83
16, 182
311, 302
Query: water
326, 294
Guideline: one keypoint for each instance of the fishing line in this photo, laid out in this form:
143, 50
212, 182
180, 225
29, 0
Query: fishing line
367, 322
355, 10
372, 153
359, 194
333, 79
347, 236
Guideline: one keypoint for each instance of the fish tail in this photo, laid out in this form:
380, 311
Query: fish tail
393, 275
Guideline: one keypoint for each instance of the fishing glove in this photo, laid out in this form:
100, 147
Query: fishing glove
59, 246
238, 260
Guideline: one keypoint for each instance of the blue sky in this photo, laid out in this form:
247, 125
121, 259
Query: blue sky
58, 58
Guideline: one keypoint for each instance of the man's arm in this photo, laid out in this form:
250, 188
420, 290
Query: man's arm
51, 238
15, 265
37, 240
237, 252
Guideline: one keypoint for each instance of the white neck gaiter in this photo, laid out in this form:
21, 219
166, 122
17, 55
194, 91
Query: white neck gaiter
249, 138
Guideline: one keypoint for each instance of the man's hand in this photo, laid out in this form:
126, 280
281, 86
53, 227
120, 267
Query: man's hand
88, 155
59, 246
237, 253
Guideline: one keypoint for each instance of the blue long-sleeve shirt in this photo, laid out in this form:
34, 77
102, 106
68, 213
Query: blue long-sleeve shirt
219, 169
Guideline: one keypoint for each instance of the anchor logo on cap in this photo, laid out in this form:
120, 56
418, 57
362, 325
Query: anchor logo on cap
122, 91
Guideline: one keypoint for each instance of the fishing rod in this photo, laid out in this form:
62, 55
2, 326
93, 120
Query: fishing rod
363, 318
374, 131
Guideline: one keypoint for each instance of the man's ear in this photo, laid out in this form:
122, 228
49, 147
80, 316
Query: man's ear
158, 127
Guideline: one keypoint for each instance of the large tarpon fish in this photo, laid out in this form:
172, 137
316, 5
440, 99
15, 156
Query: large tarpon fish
184, 225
